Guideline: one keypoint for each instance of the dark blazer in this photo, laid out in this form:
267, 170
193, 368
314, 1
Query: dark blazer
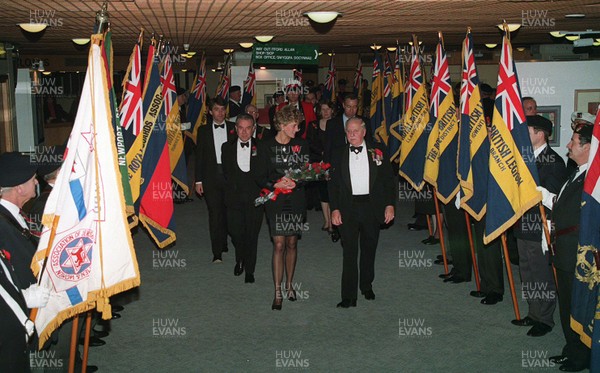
381, 183
234, 109
565, 216
207, 169
241, 186
263, 133
21, 246
335, 135
553, 174
13, 355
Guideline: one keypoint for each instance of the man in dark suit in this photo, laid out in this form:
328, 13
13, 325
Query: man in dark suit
209, 174
235, 95
536, 273
566, 208
335, 132
260, 132
243, 218
361, 192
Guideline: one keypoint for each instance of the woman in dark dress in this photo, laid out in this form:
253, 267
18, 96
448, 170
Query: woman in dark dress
316, 139
287, 214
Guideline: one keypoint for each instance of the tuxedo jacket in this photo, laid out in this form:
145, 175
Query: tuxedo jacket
241, 186
21, 246
335, 135
552, 173
565, 216
308, 112
381, 183
207, 170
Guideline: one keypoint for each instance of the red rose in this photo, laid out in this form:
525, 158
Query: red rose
326, 166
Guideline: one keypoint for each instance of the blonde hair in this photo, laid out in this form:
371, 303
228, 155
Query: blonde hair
288, 114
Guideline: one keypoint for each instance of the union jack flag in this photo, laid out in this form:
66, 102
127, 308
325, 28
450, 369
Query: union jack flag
358, 76
508, 89
225, 81
329, 93
169, 91
415, 78
249, 87
441, 80
131, 112
298, 75
387, 89
199, 89
469, 75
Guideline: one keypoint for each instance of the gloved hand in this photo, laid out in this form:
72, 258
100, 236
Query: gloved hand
457, 201
544, 242
29, 329
547, 197
36, 296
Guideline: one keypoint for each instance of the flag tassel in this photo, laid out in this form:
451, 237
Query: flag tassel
509, 273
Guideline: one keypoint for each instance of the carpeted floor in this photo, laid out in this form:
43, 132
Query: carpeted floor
190, 315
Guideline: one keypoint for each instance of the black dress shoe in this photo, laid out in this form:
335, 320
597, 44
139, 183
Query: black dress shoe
238, 269
441, 261
369, 295
335, 235
527, 321
455, 279
416, 227
431, 241
558, 359
100, 334
449, 274
217, 259
249, 278
91, 368
115, 316
94, 341
539, 329
492, 298
276, 306
291, 295
347, 303
570, 366
477, 294
117, 308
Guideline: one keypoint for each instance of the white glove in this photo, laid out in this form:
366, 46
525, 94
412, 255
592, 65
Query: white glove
29, 328
186, 126
457, 201
544, 243
547, 197
36, 296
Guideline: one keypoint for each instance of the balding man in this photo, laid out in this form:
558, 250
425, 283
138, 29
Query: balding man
362, 198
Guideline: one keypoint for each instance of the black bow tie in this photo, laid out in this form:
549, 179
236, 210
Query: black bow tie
219, 125
356, 149
245, 144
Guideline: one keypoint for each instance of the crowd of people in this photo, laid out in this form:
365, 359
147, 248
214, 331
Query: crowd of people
236, 161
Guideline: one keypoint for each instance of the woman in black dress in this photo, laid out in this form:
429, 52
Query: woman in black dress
286, 215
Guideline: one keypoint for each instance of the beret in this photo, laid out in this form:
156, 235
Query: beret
539, 122
15, 169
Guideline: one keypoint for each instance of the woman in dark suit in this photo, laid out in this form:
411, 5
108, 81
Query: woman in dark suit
287, 214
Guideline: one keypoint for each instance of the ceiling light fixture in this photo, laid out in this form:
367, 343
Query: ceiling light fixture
575, 15
557, 34
322, 17
264, 38
246, 45
391, 49
375, 47
511, 26
46, 73
572, 37
491, 45
33, 27
191, 54
228, 50
411, 43
81, 41
521, 49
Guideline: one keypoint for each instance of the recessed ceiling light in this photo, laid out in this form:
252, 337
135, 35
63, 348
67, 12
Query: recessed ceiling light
575, 15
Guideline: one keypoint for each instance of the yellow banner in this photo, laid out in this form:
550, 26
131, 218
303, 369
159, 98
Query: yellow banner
442, 133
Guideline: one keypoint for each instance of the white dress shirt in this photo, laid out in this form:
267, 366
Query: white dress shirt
219, 137
359, 171
243, 156
15, 211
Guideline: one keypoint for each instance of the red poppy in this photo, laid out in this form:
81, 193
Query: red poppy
378, 152
296, 148
6, 254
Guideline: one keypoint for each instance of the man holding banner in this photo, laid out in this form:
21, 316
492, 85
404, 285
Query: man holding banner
566, 207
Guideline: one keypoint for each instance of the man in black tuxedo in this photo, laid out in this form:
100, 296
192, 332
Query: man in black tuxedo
566, 209
243, 218
534, 265
361, 192
209, 174
235, 108
260, 132
335, 132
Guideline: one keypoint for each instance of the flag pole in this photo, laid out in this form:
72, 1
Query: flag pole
441, 230
33, 313
548, 242
473, 256
86, 343
73, 348
511, 281
429, 225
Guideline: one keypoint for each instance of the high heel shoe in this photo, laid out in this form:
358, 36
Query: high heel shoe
277, 301
291, 295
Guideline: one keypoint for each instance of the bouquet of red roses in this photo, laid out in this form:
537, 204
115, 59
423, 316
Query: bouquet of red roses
308, 172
